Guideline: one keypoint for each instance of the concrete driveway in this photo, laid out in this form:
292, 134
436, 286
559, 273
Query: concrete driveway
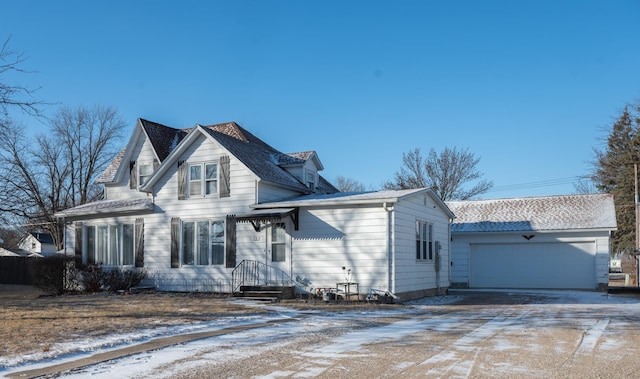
467, 334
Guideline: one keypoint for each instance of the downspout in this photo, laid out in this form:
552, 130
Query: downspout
438, 265
391, 248
449, 251
290, 236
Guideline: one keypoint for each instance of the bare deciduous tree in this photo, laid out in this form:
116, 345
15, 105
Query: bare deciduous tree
10, 238
585, 186
14, 95
446, 173
345, 184
87, 136
41, 176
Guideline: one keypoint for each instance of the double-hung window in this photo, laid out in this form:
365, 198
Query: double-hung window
311, 180
110, 245
144, 173
202, 243
203, 179
424, 241
195, 180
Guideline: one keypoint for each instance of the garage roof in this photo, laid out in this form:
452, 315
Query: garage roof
567, 212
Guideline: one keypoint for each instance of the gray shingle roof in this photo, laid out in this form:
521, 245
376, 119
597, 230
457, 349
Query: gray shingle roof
109, 174
568, 212
109, 206
163, 138
262, 159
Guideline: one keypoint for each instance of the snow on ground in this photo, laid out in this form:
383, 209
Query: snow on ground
347, 331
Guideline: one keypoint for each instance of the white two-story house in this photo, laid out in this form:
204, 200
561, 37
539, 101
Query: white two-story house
194, 206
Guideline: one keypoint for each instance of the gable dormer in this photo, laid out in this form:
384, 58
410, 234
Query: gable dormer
305, 167
148, 146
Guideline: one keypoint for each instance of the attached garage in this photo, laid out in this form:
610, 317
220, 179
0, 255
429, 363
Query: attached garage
555, 242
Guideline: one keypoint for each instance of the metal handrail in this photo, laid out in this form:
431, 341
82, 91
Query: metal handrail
254, 273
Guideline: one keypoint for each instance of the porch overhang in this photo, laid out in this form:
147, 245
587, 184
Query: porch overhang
108, 207
269, 215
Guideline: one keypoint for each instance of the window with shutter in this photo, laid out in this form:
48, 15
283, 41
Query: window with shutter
182, 180
204, 179
225, 179
78, 244
175, 242
230, 245
144, 173
112, 244
133, 175
139, 244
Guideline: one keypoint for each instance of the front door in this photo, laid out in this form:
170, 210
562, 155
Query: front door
276, 247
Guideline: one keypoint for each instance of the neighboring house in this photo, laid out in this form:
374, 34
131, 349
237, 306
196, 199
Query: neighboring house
38, 243
7, 253
558, 242
205, 208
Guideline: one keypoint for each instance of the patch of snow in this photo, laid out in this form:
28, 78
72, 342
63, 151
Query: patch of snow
494, 325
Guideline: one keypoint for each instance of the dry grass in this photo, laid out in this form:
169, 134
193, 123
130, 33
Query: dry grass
33, 321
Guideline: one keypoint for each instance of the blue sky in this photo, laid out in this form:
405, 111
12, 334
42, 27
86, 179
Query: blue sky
529, 87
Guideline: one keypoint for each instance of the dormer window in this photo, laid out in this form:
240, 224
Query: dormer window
140, 172
144, 173
311, 180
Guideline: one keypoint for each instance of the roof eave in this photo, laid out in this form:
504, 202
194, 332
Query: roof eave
324, 203
147, 207
541, 231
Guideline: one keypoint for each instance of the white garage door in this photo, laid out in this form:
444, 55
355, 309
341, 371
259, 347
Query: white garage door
533, 265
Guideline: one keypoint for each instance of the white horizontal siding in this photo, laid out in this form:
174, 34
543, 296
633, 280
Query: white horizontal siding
143, 153
602, 261
157, 249
268, 192
412, 274
332, 238
242, 183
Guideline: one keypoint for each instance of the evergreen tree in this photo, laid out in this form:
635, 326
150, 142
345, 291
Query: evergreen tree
614, 173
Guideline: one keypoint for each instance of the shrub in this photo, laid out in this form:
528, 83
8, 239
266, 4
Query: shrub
122, 279
96, 278
92, 278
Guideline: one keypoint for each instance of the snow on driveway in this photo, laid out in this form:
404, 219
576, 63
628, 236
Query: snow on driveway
533, 334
